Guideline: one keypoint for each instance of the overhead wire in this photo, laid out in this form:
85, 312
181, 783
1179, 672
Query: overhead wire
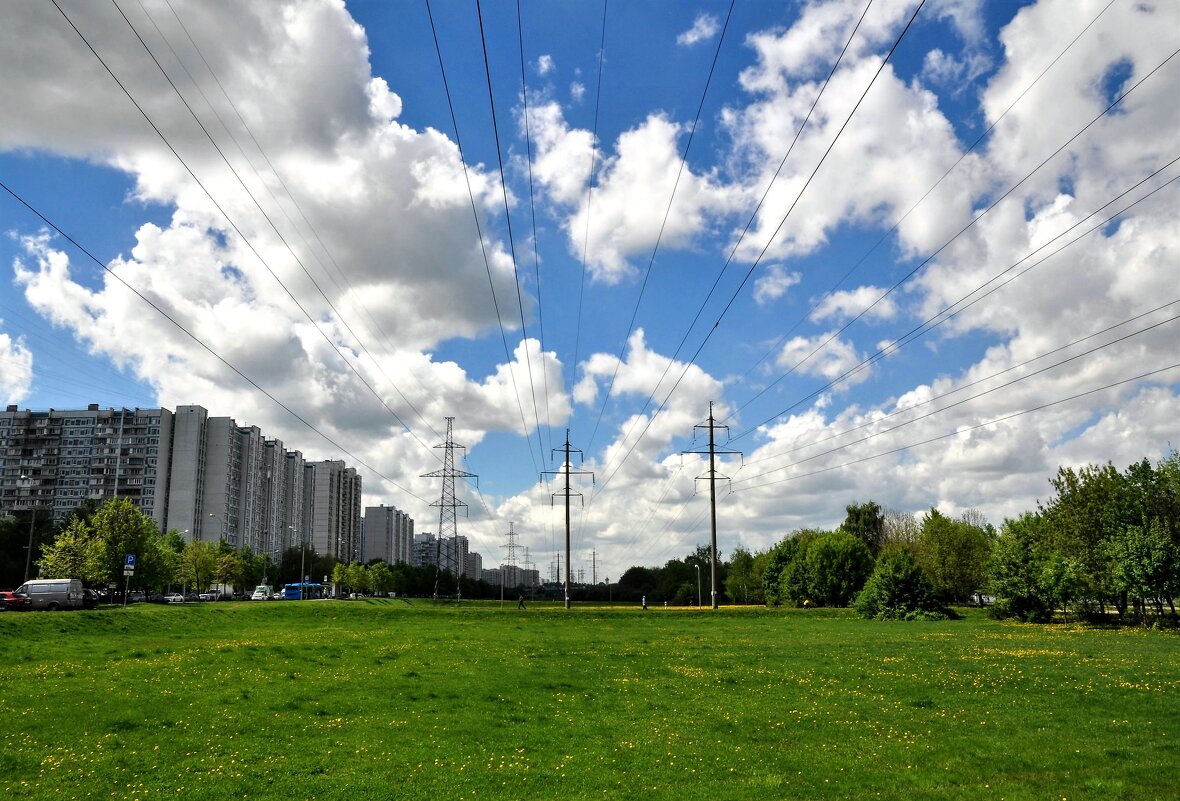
202, 344
258, 205
962, 388
663, 223
975, 218
968, 429
528, 144
717, 323
511, 238
590, 190
479, 229
897, 224
286, 191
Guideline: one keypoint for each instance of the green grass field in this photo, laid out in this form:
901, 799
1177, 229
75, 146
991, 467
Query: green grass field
388, 699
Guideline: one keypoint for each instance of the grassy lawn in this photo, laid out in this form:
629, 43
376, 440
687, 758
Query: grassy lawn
388, 699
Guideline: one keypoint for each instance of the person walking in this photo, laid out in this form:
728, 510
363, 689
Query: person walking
520, 601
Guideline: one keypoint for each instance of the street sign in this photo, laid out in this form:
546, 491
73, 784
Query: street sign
128, 571
129, 560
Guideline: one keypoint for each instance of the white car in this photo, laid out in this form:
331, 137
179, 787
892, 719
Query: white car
174, 598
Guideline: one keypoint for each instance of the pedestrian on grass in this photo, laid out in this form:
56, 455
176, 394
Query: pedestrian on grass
520, 601
645, 603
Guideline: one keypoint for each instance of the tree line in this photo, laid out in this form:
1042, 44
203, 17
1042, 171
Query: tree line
1107, 540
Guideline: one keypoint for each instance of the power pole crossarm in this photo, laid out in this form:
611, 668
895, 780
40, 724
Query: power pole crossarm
567, 493
712, 477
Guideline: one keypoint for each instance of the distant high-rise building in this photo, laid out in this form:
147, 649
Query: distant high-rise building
56, 459
388, 535
332, 509
425, 550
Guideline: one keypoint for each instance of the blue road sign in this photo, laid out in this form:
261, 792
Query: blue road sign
129, 560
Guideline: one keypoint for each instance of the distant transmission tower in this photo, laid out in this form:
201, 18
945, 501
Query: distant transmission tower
568, 493
448, 505
509, 565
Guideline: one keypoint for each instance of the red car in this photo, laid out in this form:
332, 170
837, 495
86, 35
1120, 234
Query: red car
14, 601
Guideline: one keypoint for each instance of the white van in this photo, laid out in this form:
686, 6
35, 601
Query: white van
262, 592
53, 593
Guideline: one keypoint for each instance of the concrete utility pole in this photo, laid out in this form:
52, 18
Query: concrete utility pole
567, 493
711, 424
447, 506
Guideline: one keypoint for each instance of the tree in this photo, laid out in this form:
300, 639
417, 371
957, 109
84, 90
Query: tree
866, 522
1060, 581
339, 575
380, 578
898, 589
838, 564
1143, 564
357, 577
1015, 570
953, 553
198, 563
784, 579
742, 583
899, 529
229, 569
77, 552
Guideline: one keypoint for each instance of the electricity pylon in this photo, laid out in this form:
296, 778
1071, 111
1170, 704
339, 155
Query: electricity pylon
448, 505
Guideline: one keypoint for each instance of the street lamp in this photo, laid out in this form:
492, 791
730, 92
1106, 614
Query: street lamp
698, 567
32, 522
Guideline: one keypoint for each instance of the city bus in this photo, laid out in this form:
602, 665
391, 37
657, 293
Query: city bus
304, 591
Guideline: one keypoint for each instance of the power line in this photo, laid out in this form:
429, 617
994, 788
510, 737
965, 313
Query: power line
203, 345
528, 143
511, 238
590, 192
938, 319
479, 230
975, 219
950, 406
915, 205
969, 429
250, 194
663, 224
717, 324
286, 190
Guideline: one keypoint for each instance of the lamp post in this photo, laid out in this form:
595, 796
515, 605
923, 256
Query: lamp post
302, 555
32, 523
698, 567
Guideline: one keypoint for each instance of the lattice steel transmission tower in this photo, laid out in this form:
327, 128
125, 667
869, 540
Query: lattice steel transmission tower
448, 506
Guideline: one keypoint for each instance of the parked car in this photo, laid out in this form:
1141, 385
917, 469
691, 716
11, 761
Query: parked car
14, 601
89, 599
174, 598
53, 594
207, 596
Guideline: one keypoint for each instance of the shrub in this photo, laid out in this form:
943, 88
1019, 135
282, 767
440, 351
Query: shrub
899, 590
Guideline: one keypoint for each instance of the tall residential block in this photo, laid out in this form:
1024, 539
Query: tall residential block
53, 460
332, 509
388, 535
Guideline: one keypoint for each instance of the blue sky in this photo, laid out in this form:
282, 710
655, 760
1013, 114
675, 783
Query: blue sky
340, 127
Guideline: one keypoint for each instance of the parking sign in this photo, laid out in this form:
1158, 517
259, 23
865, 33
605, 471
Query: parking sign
129, 560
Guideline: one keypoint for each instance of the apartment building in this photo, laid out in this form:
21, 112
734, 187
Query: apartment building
388, 533
332, 509
53, 460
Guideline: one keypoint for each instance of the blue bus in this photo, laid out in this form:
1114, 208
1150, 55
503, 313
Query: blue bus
301, 590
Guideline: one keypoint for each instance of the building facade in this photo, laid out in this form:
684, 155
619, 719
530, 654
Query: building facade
388, 534
53, 460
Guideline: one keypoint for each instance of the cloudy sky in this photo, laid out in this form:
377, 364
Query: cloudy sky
919, 259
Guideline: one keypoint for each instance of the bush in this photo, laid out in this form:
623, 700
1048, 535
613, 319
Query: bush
899, 590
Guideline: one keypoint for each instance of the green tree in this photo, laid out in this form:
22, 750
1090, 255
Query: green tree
1060, 582
953, 553
838, 564
898, 589
198, 564
380, 578
77, 552
357, 577
785, 578
1142, 564
743, 584
1016, 567
866, 522
229, 569
339, 576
